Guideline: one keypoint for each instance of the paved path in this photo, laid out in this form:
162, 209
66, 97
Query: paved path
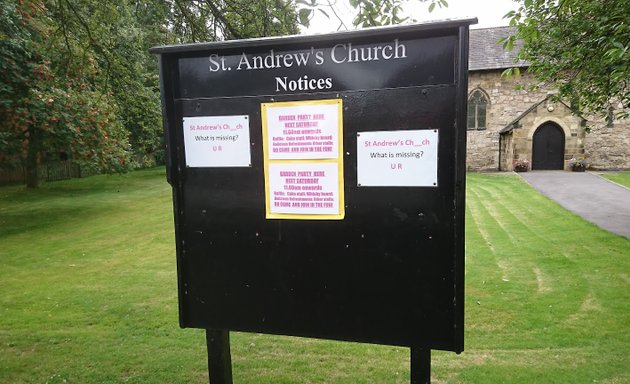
598, 200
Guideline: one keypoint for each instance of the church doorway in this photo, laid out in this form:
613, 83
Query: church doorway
548, 148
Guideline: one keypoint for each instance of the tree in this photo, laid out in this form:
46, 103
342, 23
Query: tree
368, 13
213, 20
118, 35
44, 114
111, 35
580, 48
77, 78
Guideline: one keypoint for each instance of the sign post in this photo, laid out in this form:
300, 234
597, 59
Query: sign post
318, 187
219, 357
420, 365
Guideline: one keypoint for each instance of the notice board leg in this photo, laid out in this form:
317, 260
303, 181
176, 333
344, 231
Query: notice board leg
219, 358
420, 366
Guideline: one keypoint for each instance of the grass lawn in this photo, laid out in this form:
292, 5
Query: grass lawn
88, 295
622, 178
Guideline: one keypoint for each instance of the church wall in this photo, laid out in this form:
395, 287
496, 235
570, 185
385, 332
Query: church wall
608, 147
549, 112
506, 103
605, 148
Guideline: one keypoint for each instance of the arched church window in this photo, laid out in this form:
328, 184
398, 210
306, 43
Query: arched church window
477, 110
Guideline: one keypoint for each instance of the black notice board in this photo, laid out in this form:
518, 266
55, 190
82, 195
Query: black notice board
391, 269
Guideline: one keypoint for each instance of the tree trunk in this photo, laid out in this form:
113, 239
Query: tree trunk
32, 177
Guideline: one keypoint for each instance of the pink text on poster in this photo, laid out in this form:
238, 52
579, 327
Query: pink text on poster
304, 188
403, 158
217, 141
303, 132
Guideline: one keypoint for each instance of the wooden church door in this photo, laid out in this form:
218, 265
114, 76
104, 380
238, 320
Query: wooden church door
548, 148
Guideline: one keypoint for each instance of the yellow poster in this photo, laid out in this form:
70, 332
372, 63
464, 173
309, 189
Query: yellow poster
303, 152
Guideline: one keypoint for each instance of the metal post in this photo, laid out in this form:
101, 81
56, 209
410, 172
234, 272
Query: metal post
219, 358
420, 365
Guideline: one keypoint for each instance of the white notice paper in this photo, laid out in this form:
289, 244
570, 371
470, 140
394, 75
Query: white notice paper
397, 158
304, 188
217, 141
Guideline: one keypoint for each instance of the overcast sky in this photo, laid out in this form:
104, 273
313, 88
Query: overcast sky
488, 12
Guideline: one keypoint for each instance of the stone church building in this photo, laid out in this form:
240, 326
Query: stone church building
506, 125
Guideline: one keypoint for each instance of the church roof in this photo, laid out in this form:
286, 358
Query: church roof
486, 54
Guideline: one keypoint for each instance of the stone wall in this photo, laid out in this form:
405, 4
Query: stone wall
608, 147
506, 103
604, 147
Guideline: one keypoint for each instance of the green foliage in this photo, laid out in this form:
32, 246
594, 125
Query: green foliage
44, 112
109, 35
77, 78
249, 19
73, 119
371, 13
377, 12
200, 20
579, 47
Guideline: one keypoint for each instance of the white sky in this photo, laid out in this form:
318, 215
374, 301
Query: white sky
489, 13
